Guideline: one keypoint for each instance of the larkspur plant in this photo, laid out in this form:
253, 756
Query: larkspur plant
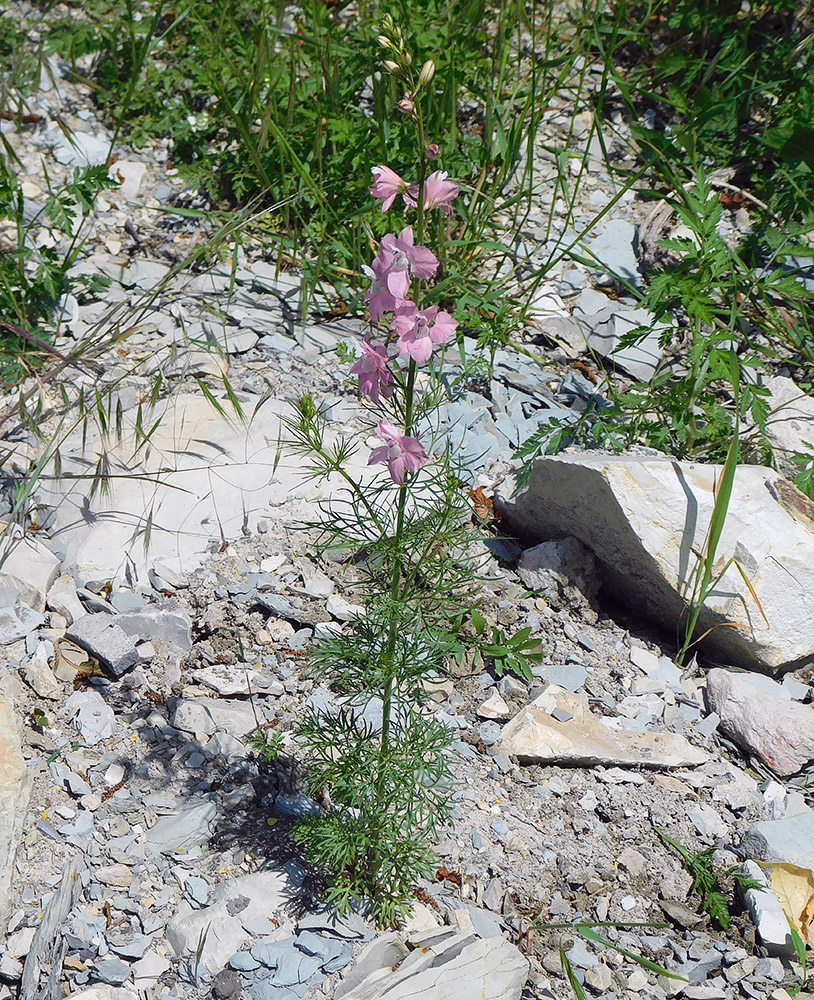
381, 761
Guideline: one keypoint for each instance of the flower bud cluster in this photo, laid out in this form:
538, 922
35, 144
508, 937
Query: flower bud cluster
399, 62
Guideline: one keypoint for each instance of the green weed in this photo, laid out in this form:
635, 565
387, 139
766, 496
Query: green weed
508, 654
707, 880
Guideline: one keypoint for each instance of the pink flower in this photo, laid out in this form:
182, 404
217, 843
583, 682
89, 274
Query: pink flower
386, 184
418, 330
438, 192
373, 372
402, 454
379, 297
406, 260
432, 150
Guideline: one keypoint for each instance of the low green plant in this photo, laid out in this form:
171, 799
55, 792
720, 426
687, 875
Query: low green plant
802, 958
33, 279
707, 574
508, 654
266, 743
707, 879
804, 478
719, 83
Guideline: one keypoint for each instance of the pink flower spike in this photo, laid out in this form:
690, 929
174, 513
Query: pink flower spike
421, 262
374, 375
419, 330
438, 192
401, 454
386, 184
378, 297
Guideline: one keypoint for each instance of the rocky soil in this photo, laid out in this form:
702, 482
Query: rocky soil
144, 847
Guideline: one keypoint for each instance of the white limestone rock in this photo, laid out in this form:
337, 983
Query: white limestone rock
15, 789
444, 965
645, 518
27, 566
558, 728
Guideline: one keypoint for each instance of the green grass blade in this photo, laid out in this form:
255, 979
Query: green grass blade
590, 935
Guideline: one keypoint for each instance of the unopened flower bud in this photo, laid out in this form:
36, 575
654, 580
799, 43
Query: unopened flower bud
406, 58
392, 67
433, 151
384, 41
406, 105
426, 74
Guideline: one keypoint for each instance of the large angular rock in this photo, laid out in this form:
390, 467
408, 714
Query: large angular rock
27, 567
791, 422
100, 636
223, 925
779, 731
15, 788
445, 965
557, 728
201, 479
645, 519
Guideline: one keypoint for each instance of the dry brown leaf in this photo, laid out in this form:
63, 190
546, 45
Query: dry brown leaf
794, 888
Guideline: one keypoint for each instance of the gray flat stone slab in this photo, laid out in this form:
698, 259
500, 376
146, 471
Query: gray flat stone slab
790, 839
100, 636
191, 825
172, 625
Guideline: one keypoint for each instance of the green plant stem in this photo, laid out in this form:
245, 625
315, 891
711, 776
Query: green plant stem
396, 578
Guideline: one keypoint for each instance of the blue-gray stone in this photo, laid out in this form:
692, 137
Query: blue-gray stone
135, 948
296, 872
300, 639
47, 830
243, 961
569, 676
318, 946
486, 924
197, 888
296, 805
267, 990
501, 827
269, 953
83, 933
349, 926
65, 779
614, 248
99, 635
580, 956
489, 732
126, 600
277, 605
294, 967
463, 750
477, 841
112, 971
586, 642
790, 839
276, 342
80, 831
706, 727
345, 957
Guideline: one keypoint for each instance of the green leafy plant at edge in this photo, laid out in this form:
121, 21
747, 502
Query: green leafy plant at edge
706, 879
